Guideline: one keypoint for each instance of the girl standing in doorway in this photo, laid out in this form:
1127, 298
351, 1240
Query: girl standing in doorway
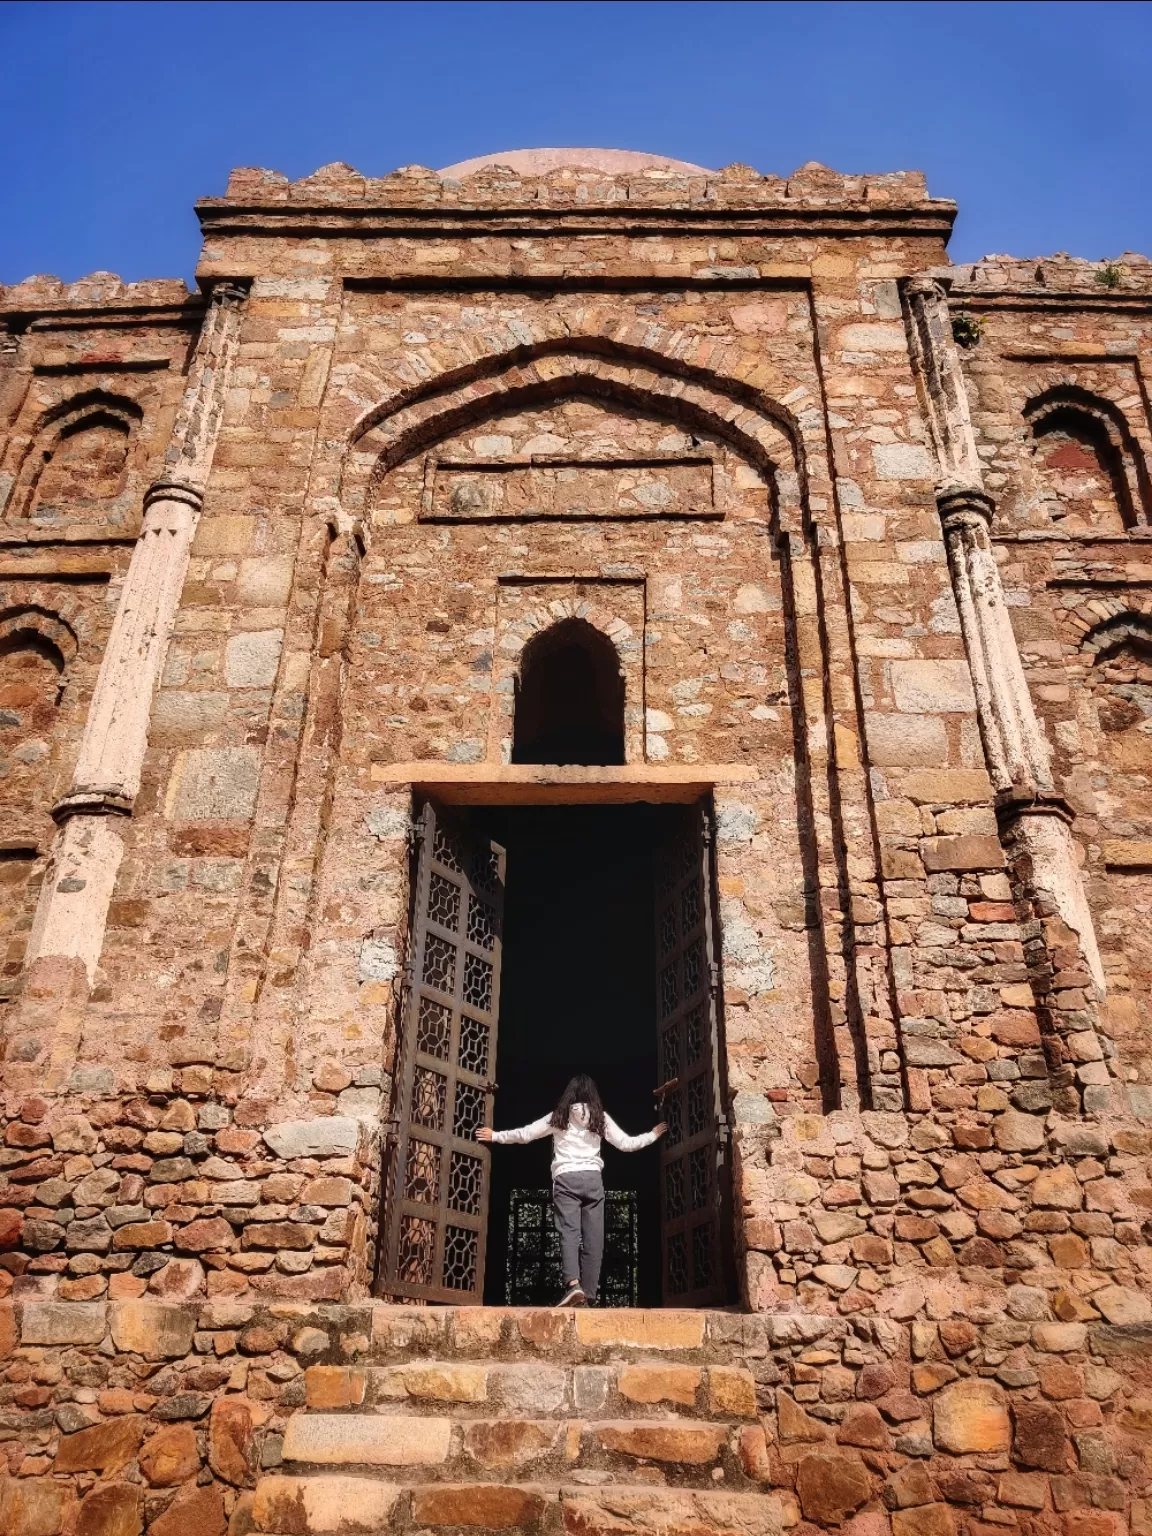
576, 1126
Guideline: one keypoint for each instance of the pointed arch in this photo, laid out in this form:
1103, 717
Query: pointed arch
388, 434
81, 444
569, 698
1094, 427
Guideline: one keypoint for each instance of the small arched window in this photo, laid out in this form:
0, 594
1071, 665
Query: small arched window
85, 465
1122, 677
1088, 465
569, 698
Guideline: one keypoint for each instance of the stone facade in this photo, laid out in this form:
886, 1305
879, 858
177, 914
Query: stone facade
865, 532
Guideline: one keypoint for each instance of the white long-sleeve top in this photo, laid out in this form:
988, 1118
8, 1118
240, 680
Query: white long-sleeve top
575, 1149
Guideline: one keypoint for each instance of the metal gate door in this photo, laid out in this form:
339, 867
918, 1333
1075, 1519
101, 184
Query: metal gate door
694, 1155
437, 1210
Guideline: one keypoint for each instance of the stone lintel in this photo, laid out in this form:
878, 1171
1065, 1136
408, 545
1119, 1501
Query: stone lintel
550, 784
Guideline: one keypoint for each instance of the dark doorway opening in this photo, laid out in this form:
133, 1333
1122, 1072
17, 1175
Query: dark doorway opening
578, 993
569, 698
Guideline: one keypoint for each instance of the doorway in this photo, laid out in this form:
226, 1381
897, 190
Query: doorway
548, 940
578, 994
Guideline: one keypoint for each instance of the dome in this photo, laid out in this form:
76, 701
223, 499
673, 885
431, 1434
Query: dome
538, 162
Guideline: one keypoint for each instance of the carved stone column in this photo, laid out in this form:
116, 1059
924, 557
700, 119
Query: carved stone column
73, 909
1035, 822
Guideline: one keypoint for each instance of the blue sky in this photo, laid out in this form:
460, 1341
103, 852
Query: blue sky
115, 117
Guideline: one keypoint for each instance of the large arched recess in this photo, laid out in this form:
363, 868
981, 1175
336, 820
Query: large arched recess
412, 418
761, 430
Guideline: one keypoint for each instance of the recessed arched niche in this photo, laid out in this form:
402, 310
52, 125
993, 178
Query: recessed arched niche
1085, 462
79, 467
569, 698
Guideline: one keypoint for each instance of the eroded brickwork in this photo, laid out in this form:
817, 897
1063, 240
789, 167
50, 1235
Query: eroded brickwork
864, 533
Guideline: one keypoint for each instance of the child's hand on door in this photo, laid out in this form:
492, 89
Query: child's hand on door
661, 1128
484, 1134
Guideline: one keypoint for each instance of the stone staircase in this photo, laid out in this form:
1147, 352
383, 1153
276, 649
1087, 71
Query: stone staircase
469, 1419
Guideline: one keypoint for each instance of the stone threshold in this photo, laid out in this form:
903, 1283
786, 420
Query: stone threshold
550, 784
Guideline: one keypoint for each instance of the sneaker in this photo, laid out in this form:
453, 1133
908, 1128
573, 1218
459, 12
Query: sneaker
572, 1297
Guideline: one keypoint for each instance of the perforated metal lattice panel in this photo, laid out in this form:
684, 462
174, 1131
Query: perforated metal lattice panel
437, 1199
534, 1278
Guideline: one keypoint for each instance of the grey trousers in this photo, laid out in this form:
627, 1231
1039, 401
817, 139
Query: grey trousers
578, 1209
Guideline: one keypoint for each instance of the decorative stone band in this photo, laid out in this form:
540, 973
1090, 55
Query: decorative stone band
1014, 743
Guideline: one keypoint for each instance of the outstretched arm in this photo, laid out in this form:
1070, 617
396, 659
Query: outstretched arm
525, 1133
625, 1143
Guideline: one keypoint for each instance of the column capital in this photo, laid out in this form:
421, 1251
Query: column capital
1011, 804
173, 488
92, 800
229, 291
964, 506
925, 286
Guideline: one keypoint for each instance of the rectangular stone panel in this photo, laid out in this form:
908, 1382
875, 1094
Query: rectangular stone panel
566, 488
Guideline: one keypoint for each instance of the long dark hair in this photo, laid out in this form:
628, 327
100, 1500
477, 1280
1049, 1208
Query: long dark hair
580, 1090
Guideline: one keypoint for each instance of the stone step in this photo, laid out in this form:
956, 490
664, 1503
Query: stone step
336, 1505
677, 1451
540, 1388
591, 1335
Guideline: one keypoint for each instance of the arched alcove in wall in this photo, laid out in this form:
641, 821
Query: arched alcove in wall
569, 698
35, 648
1088, 466
77, 467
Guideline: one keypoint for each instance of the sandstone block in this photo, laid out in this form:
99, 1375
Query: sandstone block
63, 1322
1122, 1305
199, 1512
659, 1383
971, 1415
732, 1391
1015, 1132
674, 1440
794, 1424
477, 1504
171, 1456
328, 1136
924, 1520
152, 1328
948, 786
334, 1386
641, 1329
214, 784
528, 1389
384, 1442
962, 852
1039, 1440
232, 1441
115, 1510
1022, 1490
104, 1448
142, 1234
323, 1506
502, 1443
863, 1426
179, 1280
904, 741
33, 1506
1057, 1189
209, 1234
831, 1486
437, 1383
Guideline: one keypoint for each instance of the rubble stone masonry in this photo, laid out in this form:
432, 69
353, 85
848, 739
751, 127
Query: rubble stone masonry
871, 536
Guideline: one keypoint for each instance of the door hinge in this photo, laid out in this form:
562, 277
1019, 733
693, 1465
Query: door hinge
714, 975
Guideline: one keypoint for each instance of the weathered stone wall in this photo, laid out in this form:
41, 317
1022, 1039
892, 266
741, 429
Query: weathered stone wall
712, 416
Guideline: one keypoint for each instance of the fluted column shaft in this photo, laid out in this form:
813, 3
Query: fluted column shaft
72, 913
1036, 824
